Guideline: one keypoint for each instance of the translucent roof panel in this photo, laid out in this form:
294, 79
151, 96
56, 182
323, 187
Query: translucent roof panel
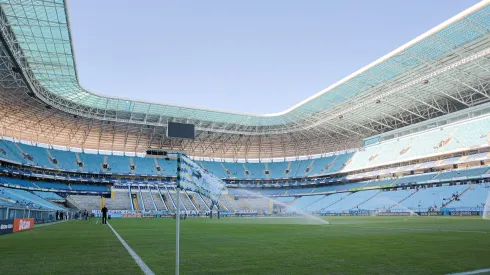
42, 31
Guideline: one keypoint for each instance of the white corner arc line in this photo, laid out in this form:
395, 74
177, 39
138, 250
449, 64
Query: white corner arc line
133, 254
479, 271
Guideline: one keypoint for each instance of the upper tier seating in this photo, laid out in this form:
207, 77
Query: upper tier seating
92, 163
66, 160
435, 141
9, 151
277, 169
415, 178
255, 170
119, 164
145, 166
216, 168
339, 163
300, 171
40, 155
441, 140
298, 168
293, 168
236, 170
462, 173
320, 165
168, 167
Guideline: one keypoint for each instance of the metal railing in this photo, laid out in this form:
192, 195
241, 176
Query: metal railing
39, 215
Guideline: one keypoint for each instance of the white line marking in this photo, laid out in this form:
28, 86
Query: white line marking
471, 272
421, 229
133, 254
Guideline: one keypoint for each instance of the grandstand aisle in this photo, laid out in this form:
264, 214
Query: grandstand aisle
159, 203
87, 202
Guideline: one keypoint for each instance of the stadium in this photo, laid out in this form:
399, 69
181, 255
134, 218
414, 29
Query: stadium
387, 171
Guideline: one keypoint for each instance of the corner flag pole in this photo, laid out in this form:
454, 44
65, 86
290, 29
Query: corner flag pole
177, 220
177, 234
190, 176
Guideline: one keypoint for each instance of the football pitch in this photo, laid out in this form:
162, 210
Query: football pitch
349, 245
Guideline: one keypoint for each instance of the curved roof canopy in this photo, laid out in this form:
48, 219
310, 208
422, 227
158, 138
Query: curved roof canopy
43, 34
440, 72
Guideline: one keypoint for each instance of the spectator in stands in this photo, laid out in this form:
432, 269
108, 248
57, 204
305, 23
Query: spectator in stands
104, 215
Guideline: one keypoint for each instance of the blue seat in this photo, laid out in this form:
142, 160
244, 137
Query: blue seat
52, 185
66, 160
17, 181
48, 195
40, 155
145, 166
91, 162
27, 199
88, 187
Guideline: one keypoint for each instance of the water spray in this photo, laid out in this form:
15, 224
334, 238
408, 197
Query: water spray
309, 217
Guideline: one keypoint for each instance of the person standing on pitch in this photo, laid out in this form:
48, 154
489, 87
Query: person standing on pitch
104, 215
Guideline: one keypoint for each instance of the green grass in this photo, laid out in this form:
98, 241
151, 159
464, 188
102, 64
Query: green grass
349, 245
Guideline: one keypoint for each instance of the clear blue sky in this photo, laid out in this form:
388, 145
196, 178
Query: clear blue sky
248, 56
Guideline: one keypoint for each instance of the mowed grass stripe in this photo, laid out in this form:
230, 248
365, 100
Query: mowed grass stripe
351, 245
75, 247
261, 246
146, 270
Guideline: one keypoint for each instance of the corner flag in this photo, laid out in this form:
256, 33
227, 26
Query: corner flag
192, 177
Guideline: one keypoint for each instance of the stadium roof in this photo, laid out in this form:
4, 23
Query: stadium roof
441, 71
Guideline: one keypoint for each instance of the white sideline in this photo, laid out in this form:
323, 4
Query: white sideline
133, 254
421, 229
471, 272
